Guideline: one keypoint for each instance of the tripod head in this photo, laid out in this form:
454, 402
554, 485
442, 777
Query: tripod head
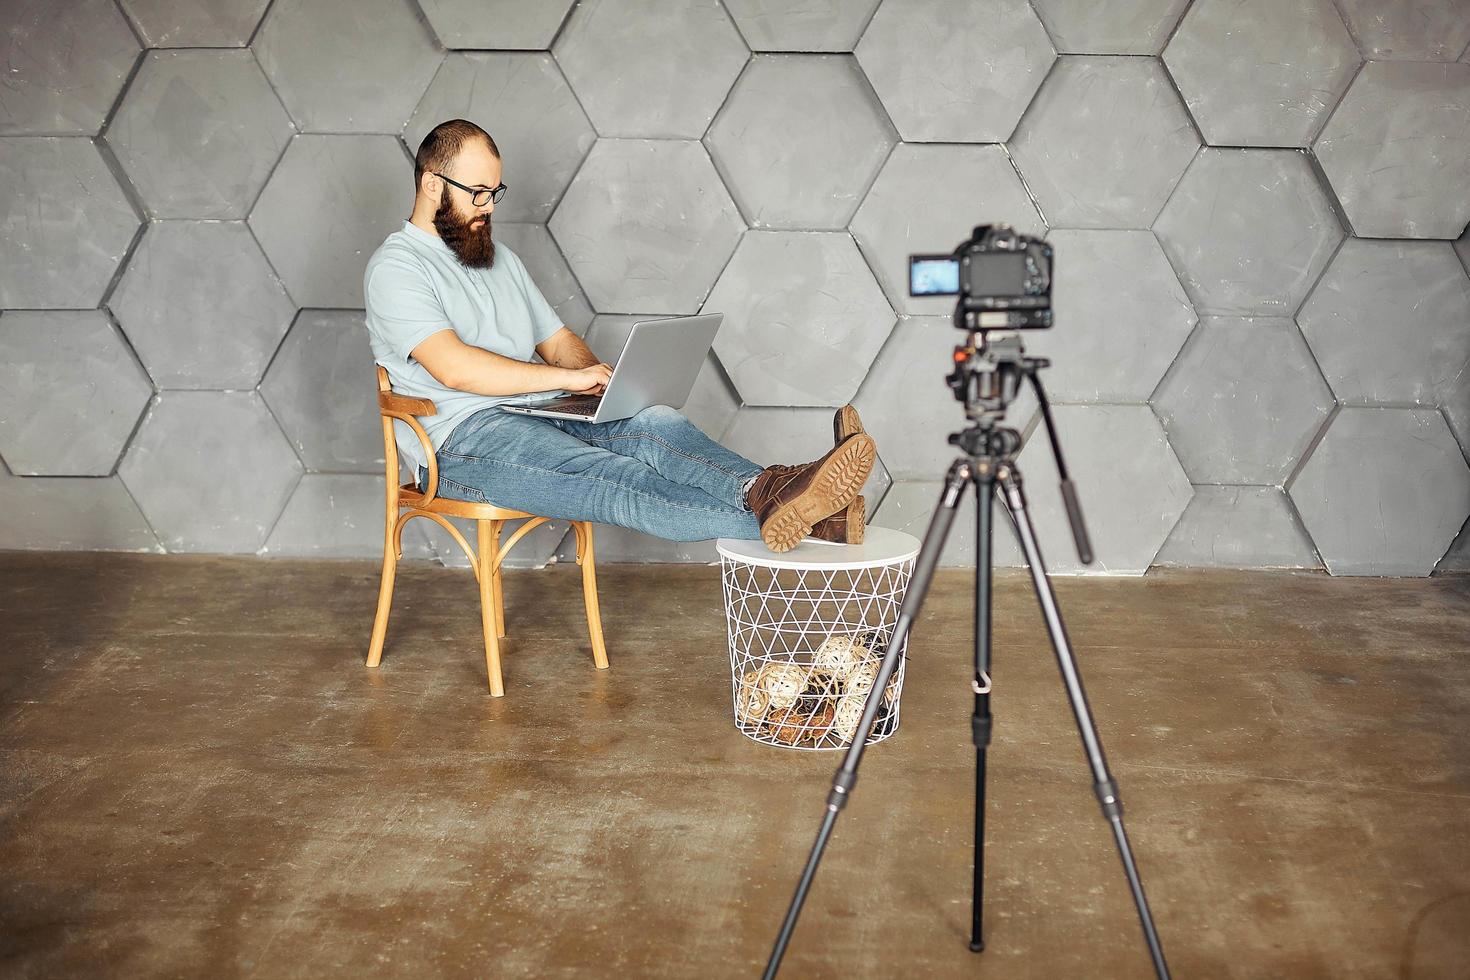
989, 368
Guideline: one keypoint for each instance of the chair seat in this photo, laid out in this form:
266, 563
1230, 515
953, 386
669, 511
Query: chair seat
409, 496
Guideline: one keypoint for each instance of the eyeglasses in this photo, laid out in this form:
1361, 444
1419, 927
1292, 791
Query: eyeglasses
479, 196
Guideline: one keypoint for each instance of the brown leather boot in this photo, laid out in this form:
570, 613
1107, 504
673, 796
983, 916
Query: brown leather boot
845, 526
845, 423
789, 500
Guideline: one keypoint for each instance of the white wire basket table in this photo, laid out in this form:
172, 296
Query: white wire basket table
808, 628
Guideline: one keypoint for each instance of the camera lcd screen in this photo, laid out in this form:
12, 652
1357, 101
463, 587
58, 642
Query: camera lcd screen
937, 276
997, 274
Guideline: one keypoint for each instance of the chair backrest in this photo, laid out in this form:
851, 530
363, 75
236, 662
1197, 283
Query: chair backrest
390, 407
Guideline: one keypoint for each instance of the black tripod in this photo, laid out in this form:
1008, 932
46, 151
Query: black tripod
987, 378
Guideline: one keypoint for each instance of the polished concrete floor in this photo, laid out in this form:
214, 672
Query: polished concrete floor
199, 778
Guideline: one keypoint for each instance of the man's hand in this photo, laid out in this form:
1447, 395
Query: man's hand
588, 380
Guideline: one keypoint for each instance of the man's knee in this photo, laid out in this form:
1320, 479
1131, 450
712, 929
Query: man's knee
661, 416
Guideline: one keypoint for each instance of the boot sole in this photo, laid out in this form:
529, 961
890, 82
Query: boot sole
848, 424
839, 480
857, 519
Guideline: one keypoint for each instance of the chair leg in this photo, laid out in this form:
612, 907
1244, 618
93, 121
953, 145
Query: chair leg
486, 558
385, 600
499, 584
587, 559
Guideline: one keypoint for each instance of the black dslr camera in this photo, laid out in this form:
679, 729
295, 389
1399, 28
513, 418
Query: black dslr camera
1002, 279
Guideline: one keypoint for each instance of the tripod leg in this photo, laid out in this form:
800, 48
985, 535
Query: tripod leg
846, 778
1103, 784
980, 721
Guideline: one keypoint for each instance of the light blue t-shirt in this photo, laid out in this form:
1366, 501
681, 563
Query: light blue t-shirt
414, 287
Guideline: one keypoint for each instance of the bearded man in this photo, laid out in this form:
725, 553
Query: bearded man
455, 318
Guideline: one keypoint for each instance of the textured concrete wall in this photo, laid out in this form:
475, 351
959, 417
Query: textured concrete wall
1259, 211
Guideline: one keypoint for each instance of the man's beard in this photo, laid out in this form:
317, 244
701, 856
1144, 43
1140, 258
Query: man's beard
474, 247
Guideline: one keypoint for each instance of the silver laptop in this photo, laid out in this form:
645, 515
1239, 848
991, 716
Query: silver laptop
657, 366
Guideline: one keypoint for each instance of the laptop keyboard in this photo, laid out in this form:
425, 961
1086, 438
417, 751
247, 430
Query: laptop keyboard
578, 406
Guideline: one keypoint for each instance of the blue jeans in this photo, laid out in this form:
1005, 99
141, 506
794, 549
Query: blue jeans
655, 472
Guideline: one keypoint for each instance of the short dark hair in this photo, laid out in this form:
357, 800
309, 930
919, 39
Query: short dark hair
443, 144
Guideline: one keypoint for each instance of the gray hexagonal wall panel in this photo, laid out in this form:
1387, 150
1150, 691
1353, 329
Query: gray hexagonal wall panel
803, 318
607, 48
201, 305
530, 112
1131, 487
910, 508
1412, 30
1390, 322
210, 470
64, 65
1398, 150
1243, 401
907, 407
195, 23
328, 206
985, 59
1116, 27
1456, 408
672, 222
1457, 558
68, 514
622, 545
1239, 527
800, 140
780, 435
1462, 249
340, 515
549, 271
1384, 492
928, 199
1104, 143
1260, 72
321, 389
198, 133
798, 435
1111, 344
1261, 254
711, 404
70, 393
347, 68
503, 24
64, 224
823, 25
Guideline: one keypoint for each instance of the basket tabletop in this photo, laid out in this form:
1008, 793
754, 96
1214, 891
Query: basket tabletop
881, 546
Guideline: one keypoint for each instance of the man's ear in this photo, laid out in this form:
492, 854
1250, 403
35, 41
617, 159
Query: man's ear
429, 185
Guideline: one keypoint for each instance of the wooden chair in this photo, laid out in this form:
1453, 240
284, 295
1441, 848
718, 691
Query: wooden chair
407, 502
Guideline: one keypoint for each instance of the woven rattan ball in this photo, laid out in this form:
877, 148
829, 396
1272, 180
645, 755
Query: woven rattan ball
819, 725
752, 702
862, 678
846, 716
783, 683
794, 726
838, 654
822, 683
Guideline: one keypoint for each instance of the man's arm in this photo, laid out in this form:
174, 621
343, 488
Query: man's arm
455, 364
566, 350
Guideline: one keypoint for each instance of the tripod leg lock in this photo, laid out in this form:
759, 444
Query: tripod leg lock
980, 727
1107, 795
841, 787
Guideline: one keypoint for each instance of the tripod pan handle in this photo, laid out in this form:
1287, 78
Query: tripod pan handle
1074, 517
